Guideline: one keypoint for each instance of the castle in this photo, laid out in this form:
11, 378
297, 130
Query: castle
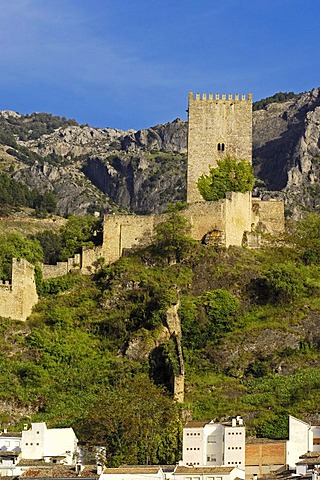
217, 126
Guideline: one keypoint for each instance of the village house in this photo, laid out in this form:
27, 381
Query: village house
214, 444
56, 445
38, 447
10, 450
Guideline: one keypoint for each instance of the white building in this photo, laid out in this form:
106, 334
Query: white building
56, 445
303, 438
214, 444
10, 450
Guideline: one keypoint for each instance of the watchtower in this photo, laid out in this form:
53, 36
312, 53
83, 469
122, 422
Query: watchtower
216, 127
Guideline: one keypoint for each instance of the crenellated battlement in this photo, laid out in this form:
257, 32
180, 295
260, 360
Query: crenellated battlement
223, 97
5, 284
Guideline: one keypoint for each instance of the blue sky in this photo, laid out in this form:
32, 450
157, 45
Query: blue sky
130, 63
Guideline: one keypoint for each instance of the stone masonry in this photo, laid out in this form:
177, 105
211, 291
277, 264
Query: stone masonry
18, 297
216, 127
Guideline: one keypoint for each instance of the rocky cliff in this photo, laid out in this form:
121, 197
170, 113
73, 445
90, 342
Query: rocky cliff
91, 168
286, 146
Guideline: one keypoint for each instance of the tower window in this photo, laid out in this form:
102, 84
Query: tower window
220, 147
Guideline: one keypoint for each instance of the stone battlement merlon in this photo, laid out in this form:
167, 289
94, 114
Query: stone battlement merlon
224, 97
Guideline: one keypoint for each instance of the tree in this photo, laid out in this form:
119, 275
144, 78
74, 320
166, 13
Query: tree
172, 239
229, 176
14, 245
79, 231
136, 423
51, 245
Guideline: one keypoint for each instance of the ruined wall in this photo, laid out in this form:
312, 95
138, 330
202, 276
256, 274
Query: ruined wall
174, 327
128, 231
62, 268
125, 232
90, 258
216, 127
268, 216
232, 216
18, 297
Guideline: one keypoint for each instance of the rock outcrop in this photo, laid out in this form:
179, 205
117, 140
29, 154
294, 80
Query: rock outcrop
286, 146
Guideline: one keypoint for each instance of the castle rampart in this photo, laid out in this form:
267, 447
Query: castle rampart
231, 215
18, 297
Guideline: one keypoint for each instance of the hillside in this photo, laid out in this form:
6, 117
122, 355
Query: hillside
91, 169
250, 325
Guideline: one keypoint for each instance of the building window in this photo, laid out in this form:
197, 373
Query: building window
220, 147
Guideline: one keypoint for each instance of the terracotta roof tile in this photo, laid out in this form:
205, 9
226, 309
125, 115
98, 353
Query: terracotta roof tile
130, 469
195, 424
60, 471
215, 470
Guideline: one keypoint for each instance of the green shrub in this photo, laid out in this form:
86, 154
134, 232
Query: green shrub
230, 175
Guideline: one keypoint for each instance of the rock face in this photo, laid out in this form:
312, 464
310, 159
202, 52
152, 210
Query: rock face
286, 146
144, 170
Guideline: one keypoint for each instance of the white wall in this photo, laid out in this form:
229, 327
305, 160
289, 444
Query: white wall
300, 440
193, 452
42, 442
235, 446
316, 438
9, 443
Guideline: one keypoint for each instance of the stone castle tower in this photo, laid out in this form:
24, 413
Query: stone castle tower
18, 297
216, 127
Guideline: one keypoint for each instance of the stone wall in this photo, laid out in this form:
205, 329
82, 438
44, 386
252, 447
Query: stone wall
216, 127
237, 217
62, 268
232, 216
18, 297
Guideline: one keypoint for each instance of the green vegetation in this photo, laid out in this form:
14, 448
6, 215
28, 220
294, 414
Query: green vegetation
49, 247
276, 98
94, 348
16, 194
30, 127
29, 157
15, 246
230, 175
